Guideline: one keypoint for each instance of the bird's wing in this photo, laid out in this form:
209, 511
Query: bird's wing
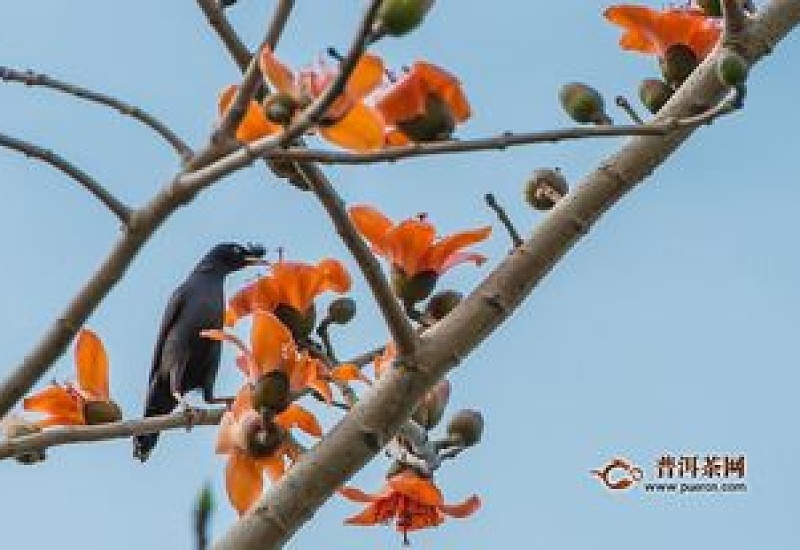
174, 308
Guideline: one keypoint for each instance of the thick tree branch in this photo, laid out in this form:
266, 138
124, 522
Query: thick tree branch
31, 78
380, 413
90, 184
70, 435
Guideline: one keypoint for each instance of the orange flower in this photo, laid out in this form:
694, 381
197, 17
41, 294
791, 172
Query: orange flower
255, 445
273, 348
414, 500
349, 122
411, 245
384, 359
290, 284
424, 104
653, 32
88, 402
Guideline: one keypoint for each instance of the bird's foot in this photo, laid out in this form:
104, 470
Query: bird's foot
190, 413
227, 401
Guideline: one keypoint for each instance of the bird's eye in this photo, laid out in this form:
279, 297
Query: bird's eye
240, 250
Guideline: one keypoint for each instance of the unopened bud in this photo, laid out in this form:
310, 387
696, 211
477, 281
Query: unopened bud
280, 108
442, 303
272, 392
342, 310
101, 412
399, 17
678, 63
431, 407
712, 8
654, 94
545, 187
412, 290
732, 68
466, 427
435, 124
583, 104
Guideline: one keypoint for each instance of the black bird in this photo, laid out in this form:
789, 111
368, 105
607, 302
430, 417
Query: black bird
183, 360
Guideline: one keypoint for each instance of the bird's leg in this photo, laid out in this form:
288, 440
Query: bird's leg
192, 414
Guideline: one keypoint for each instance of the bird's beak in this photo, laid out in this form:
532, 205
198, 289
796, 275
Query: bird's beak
255, 260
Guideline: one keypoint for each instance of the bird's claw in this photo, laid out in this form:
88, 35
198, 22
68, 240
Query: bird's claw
192, 416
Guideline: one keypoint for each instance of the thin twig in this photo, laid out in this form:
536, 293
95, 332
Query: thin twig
70, 435
623, 103
504, 219
31, 78
401, 330
90, 184
252, 77
216, 18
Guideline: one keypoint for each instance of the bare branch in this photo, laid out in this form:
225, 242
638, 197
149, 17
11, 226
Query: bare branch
90, 184
30, 78
216, 18
70, 435
252, 76
401, 329
623, 103
381, 412
491, 201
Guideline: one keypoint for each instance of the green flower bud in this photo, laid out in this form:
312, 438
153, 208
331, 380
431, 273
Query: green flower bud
678, 63
435, 124
101, 412
280, 108
300, 324
545, 187
272, 392
399, 17
443, 303
654, 93
205, 501
342, 310
431, 407
732, 68
712, 8
414, 289
583, 104
466, 427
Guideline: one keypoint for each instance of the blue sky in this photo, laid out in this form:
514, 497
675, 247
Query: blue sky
671, 328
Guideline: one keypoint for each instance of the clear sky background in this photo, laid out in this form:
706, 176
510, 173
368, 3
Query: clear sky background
671, 328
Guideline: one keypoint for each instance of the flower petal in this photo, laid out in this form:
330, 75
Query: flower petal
277, 73
462, 509
335, 277
56, 401
440, 253
348, 373
297, 416
243, 481
92, 365
446, 86
407, 244
254, 124
366, 76
403, 100
417, 488
373, 225
226, 435
273, 465
271, 341
376, 512
361, 129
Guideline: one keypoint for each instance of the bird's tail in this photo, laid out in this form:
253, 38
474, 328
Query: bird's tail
159, 401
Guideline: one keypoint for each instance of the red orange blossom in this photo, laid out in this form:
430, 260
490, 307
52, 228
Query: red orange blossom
349, 122
651, 31
88, 401
415, 501
255, 445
